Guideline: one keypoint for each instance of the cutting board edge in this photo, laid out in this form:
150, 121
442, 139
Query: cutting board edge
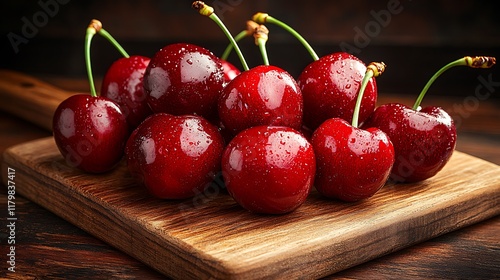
180, 249
463, 219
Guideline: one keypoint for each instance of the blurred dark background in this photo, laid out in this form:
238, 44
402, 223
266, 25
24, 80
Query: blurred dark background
414, 38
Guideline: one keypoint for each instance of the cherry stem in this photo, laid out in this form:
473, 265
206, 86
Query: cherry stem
374, 69
208, 11
91, 31
261, 35
230, 48
263, 18
471, 61
251, 26
94, 27
112, 40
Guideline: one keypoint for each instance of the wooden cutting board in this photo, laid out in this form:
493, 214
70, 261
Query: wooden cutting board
29, 98
210, 236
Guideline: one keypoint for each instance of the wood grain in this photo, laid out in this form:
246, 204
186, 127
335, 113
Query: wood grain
474, 257
210, 236
30, 98
50, 248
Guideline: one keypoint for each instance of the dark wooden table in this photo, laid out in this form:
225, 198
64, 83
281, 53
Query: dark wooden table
49, 247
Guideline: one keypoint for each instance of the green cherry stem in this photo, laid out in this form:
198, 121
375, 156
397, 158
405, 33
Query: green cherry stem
471, 61
208, 11
251, 26
229, 47
374, 69
94, 27
261, 35
262, 18
91, 31
112, 40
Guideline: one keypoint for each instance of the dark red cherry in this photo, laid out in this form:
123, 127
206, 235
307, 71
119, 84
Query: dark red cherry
90, 132
174, 157
330, 86
269, 169
424, 140
352, 163
263, 95
123, 83
184, 79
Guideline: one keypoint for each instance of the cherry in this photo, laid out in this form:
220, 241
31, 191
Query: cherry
123, 83
269, 169
263, 95
89, 130
329, 84
424, 139
174, 157
183, 79
352, 163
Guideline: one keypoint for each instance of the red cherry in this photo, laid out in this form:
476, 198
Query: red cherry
174, 157
352, 164
123, 83
184, 79
269, 169
90, 132
423, 140
330, 86
263, 95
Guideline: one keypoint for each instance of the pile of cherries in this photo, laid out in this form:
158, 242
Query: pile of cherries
185, 115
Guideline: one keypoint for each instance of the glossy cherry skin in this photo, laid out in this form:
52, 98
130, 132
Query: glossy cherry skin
424, 140
330, 88
184, 79
123, 83
230, 71
264, 95
352, 163
90, 132
174, 157
269, 169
